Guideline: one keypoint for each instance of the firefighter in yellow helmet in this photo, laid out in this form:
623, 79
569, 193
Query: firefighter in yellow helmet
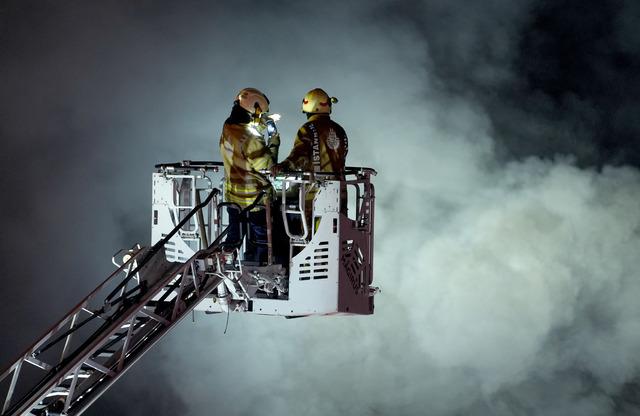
244, 154
321, 144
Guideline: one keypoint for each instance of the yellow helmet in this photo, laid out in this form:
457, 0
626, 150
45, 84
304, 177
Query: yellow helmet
253, 100
317, 101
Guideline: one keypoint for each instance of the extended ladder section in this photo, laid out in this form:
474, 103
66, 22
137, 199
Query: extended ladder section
94, 344
320, 262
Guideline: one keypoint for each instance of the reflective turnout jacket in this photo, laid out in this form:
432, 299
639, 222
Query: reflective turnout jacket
321, 145
244, 153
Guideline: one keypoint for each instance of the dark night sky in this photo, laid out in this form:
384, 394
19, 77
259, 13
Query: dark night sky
507, 142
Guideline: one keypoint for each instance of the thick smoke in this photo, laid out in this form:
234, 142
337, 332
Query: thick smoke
507, 225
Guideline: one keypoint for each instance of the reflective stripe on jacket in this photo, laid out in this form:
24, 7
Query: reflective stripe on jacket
244, 153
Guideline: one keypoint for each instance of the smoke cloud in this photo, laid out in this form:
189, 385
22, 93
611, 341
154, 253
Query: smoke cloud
508, 195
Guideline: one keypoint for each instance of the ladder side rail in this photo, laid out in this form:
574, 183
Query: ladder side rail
144, 340
82, 355
137, 352
70, 319
70, 366
73, 314
117, 362
80, 307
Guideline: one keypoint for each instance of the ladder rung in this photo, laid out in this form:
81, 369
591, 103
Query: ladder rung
99, 367
155, 317
40, 364
81, 374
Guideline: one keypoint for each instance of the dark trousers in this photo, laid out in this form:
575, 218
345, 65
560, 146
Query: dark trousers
254, 228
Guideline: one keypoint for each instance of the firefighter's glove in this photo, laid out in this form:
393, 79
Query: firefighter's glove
277, 168
274, 141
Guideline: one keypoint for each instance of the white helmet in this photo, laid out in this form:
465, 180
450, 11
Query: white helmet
253, 100
317, 101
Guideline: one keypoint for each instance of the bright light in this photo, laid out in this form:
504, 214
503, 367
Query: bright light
275, 117
254, 130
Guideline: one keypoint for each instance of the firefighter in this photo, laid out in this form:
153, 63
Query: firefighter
321, 144
245, 153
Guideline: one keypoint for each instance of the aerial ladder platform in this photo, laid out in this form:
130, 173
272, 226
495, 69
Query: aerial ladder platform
324, 268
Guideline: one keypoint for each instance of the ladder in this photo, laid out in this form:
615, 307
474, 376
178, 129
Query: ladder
155, 287
87, 351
